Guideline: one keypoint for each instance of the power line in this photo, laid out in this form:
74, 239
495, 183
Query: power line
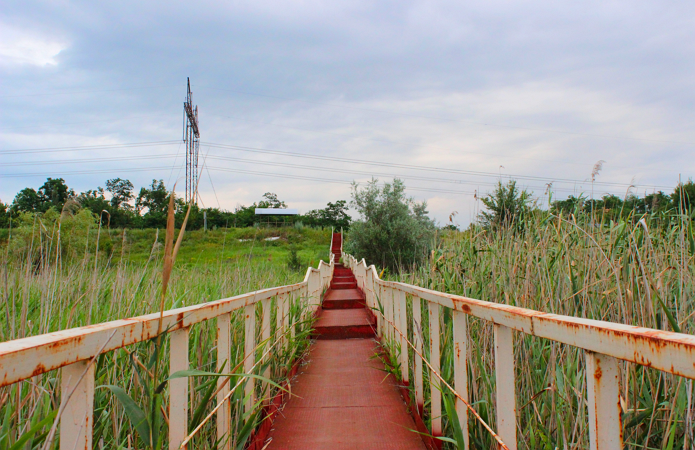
413, 167
447, 119
328, 180
417, 145
84, 161
88, 147
372, 174
411, 144
82, 172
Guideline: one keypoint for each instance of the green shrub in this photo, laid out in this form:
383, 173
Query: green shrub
393, 231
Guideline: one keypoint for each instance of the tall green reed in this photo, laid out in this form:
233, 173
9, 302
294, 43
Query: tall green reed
637, 271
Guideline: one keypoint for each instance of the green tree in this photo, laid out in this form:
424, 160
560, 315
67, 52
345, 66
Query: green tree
95, 201
683, 197
653, 203
152, 204
26, 200
393, 231
54, 193
271, 201
506, 206
334, 215
4, 215
121, 192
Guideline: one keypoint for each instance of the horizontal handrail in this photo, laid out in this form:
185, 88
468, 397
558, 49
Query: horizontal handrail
24, 358
663, 350
604, 343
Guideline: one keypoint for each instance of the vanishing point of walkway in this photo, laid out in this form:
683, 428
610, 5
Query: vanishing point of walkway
343, 398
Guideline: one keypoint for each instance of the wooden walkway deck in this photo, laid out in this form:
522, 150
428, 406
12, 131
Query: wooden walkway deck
343, 398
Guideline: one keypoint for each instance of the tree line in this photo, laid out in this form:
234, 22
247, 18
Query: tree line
118, 206
508, 205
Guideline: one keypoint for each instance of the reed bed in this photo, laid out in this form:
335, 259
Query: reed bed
637, 271
53, 277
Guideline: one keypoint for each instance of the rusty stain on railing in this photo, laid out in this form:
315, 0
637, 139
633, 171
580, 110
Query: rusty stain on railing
604, 343
73, 349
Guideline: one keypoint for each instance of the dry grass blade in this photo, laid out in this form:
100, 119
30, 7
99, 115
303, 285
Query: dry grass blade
168, 254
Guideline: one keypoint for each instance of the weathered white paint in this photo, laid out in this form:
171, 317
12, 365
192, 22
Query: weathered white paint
460, 324
417, 340
265, 337
603, 389
178, 388
76, 420
224, 359
403, 327
504, 375
73, 348
24, 358
435, 393
249, 353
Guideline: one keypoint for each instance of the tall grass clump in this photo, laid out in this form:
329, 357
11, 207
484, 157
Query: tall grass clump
63, 270
636, 270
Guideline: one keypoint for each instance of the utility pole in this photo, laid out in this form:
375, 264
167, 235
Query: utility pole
191, 136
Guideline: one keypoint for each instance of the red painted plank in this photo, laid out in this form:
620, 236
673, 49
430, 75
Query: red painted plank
344, 402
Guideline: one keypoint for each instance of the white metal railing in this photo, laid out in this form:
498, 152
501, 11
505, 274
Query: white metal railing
74, 350
604, 343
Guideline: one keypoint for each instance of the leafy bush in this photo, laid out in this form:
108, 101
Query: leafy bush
507, 206
394, 231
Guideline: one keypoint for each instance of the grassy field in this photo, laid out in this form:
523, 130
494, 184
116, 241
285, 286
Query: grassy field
632, 272
57, 277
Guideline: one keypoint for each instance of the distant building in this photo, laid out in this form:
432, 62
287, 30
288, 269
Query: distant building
275, 217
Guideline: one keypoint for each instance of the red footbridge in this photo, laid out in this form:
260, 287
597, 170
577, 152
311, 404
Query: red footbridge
360, 382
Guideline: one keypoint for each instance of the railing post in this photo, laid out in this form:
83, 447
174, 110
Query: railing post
403, 325
389, 310
265, 337
77, 419
435, 393
178, 388
379, 303
460, 323
504, 374
224, 359
249, 352
280, 317
602, 376
417, 338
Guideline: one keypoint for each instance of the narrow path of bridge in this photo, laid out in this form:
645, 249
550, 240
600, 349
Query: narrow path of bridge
343, 398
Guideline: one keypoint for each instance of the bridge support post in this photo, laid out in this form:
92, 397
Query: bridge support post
178, 388
224, 355
76, 422
403, 325
504, 374
265, 337
417, 339
460, 324
283, 316
249, 352
391, 333
435, 393
380, 305
603, 388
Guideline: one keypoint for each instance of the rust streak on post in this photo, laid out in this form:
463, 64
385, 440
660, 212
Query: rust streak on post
77, 418
224, 355
178, 389
460, 325
603, 389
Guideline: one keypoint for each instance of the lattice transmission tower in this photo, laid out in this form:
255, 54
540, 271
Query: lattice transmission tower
191, 136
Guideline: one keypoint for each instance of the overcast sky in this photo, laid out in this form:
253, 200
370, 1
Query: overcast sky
536, 91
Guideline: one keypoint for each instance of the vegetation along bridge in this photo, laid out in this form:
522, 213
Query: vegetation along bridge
308, 376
